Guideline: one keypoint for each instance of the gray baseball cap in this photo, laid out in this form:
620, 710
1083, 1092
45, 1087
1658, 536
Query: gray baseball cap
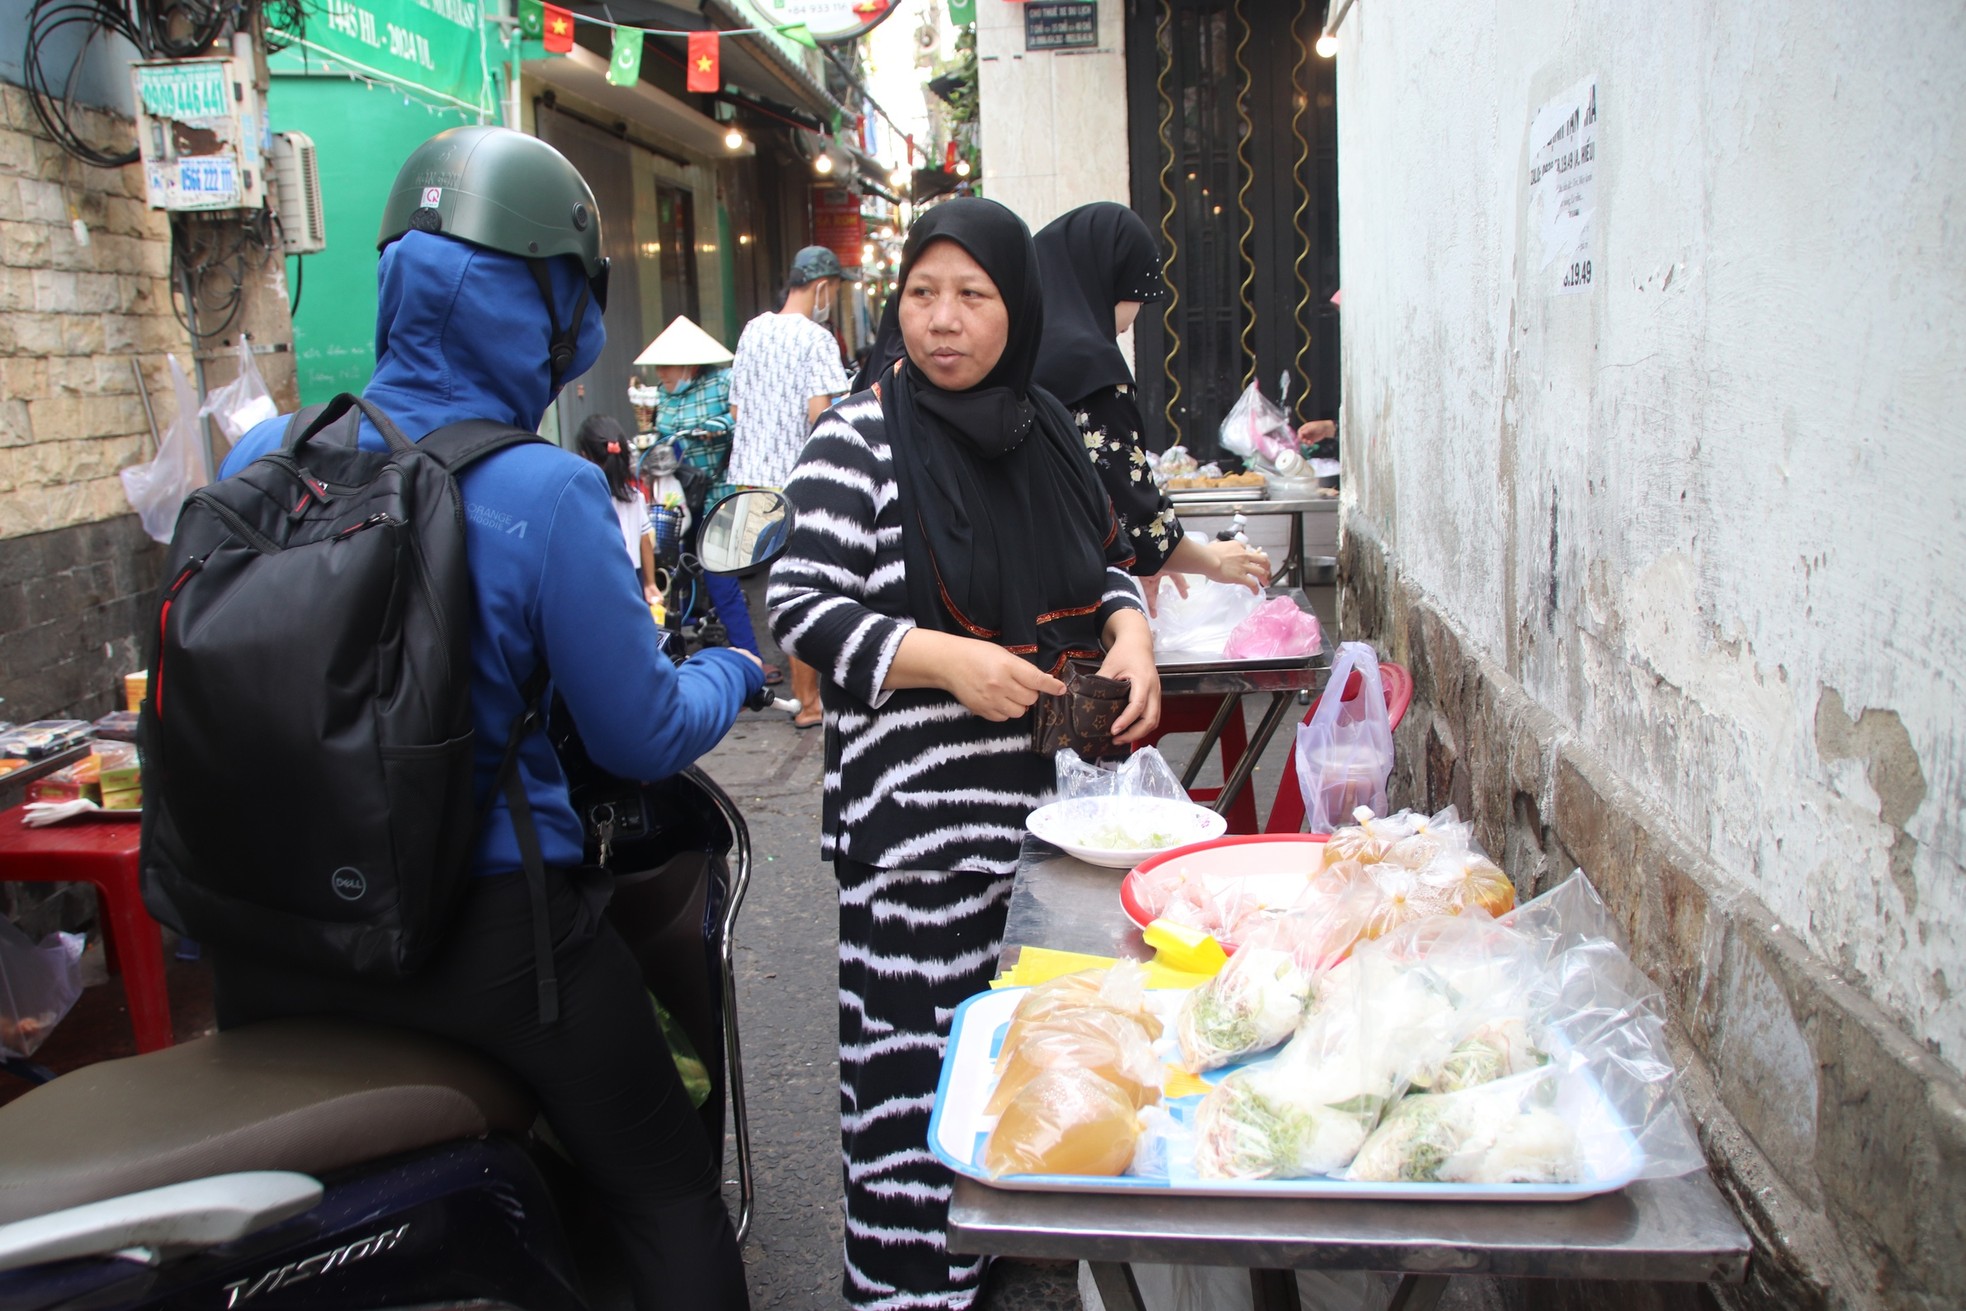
814, 263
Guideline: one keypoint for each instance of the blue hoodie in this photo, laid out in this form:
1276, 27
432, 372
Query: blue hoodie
461, 333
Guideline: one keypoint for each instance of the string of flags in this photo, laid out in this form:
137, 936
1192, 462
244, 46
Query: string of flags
552, 26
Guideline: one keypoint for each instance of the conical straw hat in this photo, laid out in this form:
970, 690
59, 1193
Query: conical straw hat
682, 342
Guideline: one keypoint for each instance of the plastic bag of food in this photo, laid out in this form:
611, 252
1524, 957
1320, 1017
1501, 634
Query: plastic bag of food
1199, 624
1064, 1121
1275, 629
1466, 880
1427, 837
1116, 1047
1366, 839
1251, 1005
1145, 773
1306, 1111
39, 982
1345, 752
1502, 1132
1120, 988
1255, 427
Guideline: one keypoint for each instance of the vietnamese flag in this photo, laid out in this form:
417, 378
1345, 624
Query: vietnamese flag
704, 74
557, 30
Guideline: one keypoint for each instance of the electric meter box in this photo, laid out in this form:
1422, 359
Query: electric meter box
202, 133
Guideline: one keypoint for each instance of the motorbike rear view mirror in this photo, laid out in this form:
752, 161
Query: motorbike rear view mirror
744, 532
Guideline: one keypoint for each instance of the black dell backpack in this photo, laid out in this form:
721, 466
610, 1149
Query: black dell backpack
307, 741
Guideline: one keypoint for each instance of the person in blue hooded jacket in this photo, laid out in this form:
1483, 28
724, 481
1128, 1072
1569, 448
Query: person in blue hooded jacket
491, 292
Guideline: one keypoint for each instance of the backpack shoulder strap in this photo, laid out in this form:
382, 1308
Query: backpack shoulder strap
456, 445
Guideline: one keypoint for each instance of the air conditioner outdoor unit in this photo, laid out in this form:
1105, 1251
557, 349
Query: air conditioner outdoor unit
297, 193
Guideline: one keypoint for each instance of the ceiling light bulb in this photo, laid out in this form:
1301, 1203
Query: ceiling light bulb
823, 164
899, 177
734, 139
1327, 45
962, 168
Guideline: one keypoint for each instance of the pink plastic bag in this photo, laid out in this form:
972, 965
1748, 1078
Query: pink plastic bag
1277, 628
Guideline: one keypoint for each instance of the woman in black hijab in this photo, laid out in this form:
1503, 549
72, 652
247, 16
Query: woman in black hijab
1100, 264
952, 551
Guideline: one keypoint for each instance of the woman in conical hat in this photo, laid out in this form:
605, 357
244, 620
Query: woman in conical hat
692, 410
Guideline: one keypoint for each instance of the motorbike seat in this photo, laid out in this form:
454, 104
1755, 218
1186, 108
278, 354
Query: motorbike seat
310, 1095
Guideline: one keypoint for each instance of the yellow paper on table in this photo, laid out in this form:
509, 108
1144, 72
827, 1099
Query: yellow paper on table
1037, 965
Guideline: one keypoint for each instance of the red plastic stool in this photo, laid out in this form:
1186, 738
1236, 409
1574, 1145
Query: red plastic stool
104, 853
1287, 811
1194, 714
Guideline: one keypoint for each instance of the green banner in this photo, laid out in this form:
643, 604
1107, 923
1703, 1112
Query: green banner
435, 48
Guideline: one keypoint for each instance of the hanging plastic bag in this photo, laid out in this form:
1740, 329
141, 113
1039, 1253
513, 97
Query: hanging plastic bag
1199, 624
1255, 428
157, 489
1345, 754
242, 404
1274, 630
38, 983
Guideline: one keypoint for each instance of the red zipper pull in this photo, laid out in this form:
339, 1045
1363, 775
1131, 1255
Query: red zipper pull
191, 567
375, 520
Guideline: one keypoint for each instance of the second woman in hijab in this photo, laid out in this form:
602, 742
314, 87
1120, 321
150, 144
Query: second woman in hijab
951, 550
1100, 264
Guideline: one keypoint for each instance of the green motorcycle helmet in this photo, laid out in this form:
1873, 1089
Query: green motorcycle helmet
509, 192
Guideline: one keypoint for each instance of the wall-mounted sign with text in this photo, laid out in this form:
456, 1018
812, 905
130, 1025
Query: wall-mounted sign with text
1061, 24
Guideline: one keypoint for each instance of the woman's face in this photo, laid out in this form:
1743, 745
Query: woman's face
953, 320
672, 376
1123, 315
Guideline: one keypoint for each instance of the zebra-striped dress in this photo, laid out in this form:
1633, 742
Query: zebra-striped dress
923, 816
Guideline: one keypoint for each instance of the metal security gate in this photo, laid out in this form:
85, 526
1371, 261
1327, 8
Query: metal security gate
1234, 160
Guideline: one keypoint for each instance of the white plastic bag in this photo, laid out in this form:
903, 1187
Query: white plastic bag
1199, 623
1145, 773
1255, 428
38, 983
242, 404
157, 489
1345, 753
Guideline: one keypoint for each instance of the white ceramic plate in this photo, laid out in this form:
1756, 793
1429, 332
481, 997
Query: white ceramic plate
1076, 826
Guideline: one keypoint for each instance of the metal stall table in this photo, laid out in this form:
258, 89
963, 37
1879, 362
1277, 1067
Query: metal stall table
1662, 1230
1198, 514
1282, 680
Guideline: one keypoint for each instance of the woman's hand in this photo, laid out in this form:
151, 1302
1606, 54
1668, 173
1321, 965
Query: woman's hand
991, 683
1237, 563
1130, 656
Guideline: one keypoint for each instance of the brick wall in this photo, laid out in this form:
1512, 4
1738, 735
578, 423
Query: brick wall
74, 564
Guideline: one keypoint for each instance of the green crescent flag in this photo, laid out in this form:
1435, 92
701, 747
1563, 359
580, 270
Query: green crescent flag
625, 68
799, 34
962, 11
532, 19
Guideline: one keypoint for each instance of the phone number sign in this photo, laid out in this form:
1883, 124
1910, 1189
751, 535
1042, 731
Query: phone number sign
1061, 24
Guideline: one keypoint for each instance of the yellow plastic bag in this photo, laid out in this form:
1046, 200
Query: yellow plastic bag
1111, 1045
1065, 1121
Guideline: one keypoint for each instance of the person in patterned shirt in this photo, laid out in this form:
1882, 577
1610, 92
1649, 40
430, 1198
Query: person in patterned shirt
787, 373
1100, 265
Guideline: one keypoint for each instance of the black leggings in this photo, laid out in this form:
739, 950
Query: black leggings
602, 1073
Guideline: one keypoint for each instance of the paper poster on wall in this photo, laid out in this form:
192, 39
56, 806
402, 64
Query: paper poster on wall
1563, 185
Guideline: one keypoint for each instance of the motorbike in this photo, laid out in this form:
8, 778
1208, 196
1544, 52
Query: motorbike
314, 1163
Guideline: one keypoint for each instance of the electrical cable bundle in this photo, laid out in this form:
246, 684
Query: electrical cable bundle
212, 255
54, 98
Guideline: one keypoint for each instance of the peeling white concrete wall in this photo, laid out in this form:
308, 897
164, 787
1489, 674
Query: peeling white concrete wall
1052, 122
1712, 513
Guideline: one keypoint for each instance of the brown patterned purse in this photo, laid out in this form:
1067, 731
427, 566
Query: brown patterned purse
1082, 717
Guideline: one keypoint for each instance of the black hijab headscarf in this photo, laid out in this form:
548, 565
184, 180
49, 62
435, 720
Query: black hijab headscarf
1091, 258
1004, 522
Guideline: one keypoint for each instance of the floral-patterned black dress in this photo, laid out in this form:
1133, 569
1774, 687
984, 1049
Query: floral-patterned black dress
1109, 420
